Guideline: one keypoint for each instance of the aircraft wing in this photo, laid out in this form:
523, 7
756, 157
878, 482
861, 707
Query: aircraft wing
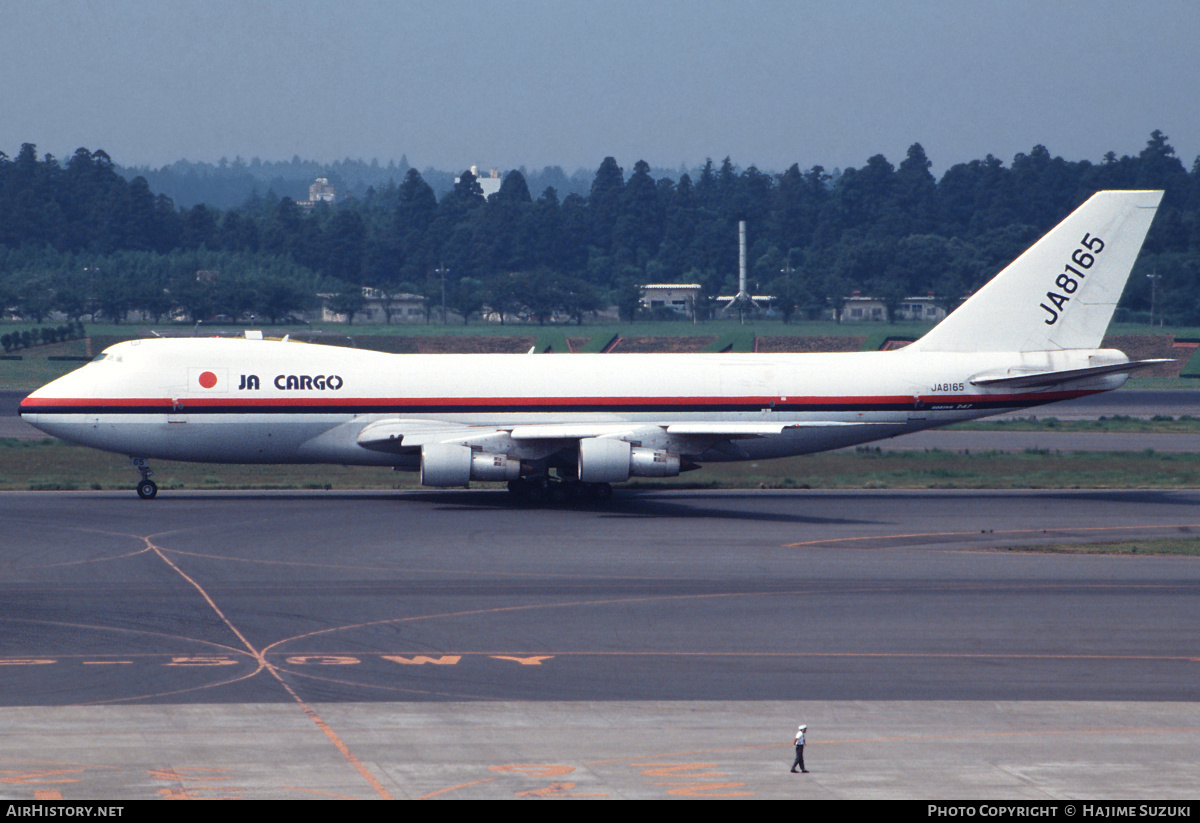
404, 435
1053, 378
560, 431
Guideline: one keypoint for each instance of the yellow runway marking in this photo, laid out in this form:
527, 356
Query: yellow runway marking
389, 688
534, 769
449, 789
45, 776
328, 731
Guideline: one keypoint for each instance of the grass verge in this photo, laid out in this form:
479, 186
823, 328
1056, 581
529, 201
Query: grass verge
1159, 424
1182, 547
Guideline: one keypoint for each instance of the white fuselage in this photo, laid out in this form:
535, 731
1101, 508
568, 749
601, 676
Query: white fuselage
261, 401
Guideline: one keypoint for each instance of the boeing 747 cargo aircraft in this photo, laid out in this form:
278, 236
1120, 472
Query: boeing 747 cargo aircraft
558, 425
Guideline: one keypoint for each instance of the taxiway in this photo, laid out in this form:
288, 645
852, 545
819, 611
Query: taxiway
438, 644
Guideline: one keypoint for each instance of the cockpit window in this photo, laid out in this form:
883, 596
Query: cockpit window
101, 356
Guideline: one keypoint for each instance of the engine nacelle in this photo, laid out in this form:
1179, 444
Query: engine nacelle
487, 466
451, 464
606, 460
603, 460
653, 463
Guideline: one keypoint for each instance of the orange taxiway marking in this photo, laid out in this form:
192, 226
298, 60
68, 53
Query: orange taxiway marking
325, 728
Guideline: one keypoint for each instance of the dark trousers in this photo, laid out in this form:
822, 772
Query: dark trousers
799, 758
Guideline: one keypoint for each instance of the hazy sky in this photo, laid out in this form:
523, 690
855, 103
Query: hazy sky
566, 83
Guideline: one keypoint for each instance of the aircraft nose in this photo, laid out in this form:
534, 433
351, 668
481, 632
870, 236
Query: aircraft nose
28, 405
28, 402
56, 396
31, 406
54, 408
35, 401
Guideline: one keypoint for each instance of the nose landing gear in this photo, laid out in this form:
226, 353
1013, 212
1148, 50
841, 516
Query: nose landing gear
146, 488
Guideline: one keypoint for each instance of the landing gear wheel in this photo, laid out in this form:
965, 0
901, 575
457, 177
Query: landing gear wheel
537, 492
146, 487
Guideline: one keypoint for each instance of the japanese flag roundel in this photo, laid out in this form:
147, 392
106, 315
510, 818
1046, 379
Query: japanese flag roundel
206, 380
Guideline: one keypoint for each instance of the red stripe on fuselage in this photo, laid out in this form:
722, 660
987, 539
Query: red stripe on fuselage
32, 404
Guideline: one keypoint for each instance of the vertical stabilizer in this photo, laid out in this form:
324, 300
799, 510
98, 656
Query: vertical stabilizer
1061, 293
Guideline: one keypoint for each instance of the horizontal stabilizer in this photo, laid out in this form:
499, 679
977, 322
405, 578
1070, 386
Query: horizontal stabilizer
1055, 378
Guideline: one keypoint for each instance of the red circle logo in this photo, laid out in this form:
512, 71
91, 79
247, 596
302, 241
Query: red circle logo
208, 379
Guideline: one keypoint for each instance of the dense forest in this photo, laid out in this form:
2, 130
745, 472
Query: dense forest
80, 239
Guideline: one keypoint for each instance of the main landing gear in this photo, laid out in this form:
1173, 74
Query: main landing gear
146, 488
543, 489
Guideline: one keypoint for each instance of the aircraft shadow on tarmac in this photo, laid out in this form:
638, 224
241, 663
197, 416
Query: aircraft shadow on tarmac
635, 503
778, 505
773, 506
770, 506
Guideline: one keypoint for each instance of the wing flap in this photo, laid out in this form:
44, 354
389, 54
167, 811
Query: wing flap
718, 429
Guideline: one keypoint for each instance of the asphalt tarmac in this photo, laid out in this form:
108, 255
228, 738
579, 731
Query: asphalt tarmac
449, 644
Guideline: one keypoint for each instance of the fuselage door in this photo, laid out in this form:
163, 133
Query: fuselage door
919, 410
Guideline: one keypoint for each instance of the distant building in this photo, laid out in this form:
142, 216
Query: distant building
680, 297
858, 309
920, 308
320, 190
490, 184
378, 307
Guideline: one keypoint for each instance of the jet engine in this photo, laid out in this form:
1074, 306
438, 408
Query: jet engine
451, 464
606, 460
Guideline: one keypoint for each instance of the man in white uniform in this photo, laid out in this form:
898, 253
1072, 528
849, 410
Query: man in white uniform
799, 744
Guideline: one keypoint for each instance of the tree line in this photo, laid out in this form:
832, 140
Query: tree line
229, 184
78, 238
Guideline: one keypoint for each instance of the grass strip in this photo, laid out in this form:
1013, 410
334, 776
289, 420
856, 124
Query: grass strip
1182, 547
1159, 424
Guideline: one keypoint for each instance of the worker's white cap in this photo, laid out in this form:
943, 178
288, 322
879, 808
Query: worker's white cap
803, 727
